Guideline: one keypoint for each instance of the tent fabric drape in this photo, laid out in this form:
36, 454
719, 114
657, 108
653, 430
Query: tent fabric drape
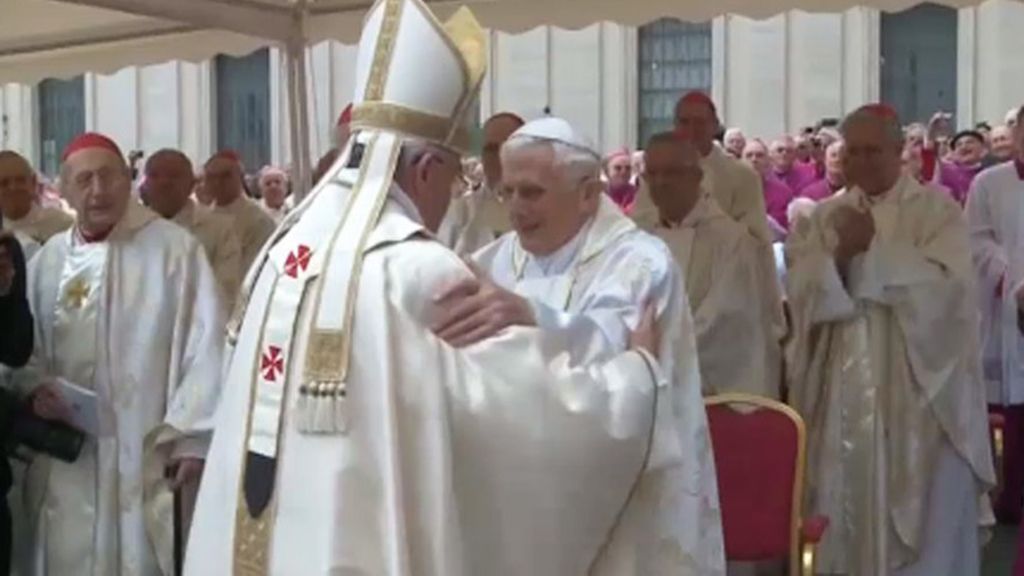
61, 38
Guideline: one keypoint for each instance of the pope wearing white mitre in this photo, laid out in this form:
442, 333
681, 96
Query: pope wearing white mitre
351, 439
126, 307
886, 369
576, 266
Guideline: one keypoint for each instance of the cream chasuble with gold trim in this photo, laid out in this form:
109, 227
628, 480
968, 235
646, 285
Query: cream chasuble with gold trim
137, 319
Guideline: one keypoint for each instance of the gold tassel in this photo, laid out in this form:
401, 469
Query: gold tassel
302, 409
341, 410
322, 408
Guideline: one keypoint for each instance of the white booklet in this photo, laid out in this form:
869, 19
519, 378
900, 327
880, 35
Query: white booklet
83, 404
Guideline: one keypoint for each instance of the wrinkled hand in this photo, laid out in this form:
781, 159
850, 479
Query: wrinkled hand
856, 230
185, 472
48, 403
646, 335
476, 309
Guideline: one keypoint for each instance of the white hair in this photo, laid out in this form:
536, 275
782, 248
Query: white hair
1011, 116
800, 208
577, 164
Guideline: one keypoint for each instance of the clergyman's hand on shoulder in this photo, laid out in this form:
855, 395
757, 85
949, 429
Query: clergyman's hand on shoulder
476, 309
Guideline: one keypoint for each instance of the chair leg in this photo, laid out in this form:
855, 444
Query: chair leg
807, 560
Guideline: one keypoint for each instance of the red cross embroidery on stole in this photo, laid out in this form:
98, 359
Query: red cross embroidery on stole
297, 261
272, 363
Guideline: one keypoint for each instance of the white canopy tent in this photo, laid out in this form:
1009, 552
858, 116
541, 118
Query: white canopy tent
59, 38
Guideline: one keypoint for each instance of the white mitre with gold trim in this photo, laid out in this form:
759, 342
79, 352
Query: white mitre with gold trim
416, 76
416, 80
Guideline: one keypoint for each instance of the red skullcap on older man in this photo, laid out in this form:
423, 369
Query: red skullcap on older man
88, 141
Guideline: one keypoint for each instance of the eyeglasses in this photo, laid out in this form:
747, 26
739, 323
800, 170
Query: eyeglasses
532, 192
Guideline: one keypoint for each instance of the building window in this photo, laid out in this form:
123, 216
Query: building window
919, 53
243, 107
61, 118
675, 57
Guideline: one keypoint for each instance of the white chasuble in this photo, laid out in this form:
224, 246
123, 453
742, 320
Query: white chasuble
734, 186
41, 223
995, 213
731, 301
738, 191
448, 464
221, 244
591, 292
473, 221
136, 319
251, 225
887, 376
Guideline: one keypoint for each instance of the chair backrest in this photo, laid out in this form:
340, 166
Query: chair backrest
759, 455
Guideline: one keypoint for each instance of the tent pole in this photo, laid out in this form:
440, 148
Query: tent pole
298, 104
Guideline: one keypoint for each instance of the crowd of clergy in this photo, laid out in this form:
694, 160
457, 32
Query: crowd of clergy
441, 365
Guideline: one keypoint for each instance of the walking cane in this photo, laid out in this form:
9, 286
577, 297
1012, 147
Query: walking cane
169, 473
179, 552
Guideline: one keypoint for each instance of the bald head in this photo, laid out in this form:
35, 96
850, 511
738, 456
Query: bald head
683, 151
756, 155
673, 175
782, 154
170, 180
834, 161
496, 131
696, 119
874, 148
222, 179
17, 185
1002, 144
